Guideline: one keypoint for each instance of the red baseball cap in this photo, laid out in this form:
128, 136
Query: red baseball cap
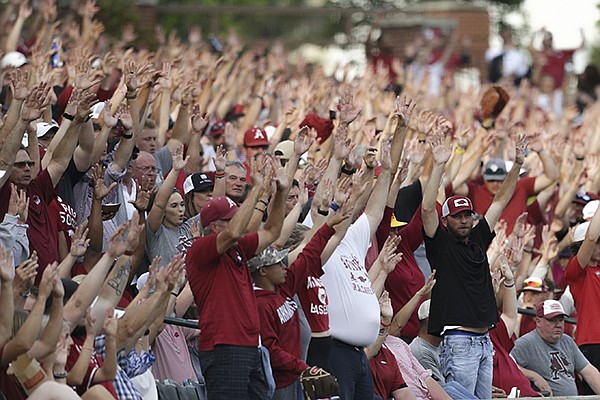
455, 204
218, 128
218, 208
549, 309
256, 137
323, 126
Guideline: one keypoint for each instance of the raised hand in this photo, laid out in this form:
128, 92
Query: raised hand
18, 80
142, 197
520, 149
116, 246
58, 290
25, 274
111, 324
199, 121
404, 109
123, 114
36, 102
47, 282
347, 111
280, 177
342, 191
18, 204
179, 162
342, 143
389, 257
108, 119
304, 139
440, 151
428, 286
370, 157
134, 232
342, 214
385, 306
6, 265
100, 189
87, 100
79, 241
166, 79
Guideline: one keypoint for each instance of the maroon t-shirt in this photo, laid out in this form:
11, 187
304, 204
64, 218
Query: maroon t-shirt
407, 278
386, 374
506, 372
222, 289
94, 365
482, 200
9, 385
42, 237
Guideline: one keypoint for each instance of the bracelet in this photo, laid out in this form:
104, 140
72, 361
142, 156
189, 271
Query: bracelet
131, 96
220, 174
124, 136
509, 286
128, 253
258, 209
60, 375
264, 202
68, 116
25, 294
385, 325
334, 206
530, 251
323, 212
459, 151
174, 294
580, 158
348, 171
421, 140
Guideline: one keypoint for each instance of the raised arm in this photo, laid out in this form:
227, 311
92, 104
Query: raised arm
551, 173
402, 316
507, 188
261, 174
6, 295
386, 313
509, 299
157, 213
48, 340
584, 255
441, 153
272, 227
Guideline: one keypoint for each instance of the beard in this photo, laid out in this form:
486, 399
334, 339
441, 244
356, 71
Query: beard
461, 232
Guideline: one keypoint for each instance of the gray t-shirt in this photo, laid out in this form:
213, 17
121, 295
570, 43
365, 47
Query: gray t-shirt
556, 363
167, 242
428, 356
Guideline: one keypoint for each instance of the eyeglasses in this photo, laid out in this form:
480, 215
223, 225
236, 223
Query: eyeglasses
23, 164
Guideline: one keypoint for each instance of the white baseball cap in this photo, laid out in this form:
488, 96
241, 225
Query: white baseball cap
13, 59
580, 232
423, 312
590, 209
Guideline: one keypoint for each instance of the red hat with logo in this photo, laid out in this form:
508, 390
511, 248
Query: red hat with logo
218, 128
256, 136
455, 204
219, 208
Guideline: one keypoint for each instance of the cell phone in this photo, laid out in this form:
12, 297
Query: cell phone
332, 115
54, 58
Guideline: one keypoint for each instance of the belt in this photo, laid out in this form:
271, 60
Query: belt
456, 332
347, 345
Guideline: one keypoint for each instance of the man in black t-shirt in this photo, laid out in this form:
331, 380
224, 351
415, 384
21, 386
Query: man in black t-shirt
463, 306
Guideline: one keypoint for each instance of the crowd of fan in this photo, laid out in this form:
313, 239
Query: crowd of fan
364, 238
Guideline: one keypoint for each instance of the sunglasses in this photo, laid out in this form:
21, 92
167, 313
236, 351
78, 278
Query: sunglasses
23, 164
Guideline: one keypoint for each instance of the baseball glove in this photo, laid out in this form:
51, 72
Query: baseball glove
493, 101
318, 384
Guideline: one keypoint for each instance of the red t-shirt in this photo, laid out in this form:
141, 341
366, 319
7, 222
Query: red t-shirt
312, 295
9, 385
555, 65
482, 200
222, 289
386, 374
42, 237
94, 364
506, 372
407, 278
585, 287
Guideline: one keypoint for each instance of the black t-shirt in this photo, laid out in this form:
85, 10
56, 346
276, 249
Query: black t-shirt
463, 294
408, 201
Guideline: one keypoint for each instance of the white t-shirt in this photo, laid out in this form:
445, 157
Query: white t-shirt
353, 305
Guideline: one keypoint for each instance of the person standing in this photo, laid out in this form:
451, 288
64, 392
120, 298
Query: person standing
463, 305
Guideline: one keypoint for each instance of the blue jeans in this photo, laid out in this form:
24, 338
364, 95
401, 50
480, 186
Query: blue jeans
457, 391
350, 366
468, 360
